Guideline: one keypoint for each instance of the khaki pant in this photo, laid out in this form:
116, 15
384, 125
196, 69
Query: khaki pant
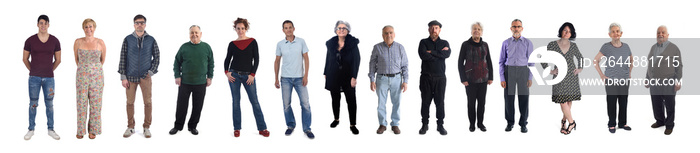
130, 98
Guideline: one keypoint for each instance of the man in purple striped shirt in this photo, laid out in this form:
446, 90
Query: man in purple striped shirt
515, 74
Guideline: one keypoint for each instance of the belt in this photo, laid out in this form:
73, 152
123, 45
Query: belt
390, 75
241, 73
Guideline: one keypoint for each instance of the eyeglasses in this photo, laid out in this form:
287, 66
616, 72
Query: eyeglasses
341, 28
516, 26
140, 23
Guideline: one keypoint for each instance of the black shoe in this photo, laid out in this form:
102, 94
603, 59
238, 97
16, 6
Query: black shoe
441, 130
482, 128
173, 131
668, 131
309, 134
523, 129
288, 131
423, 129
334, 123
472, 129
509, 128
628, 128
193, 131
354, 130
611, 129
656, 125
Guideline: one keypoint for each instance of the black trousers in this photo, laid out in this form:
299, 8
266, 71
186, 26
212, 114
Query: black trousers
664, 98
617, 95
432, 88
476, 91
183, 97
516, 78
351, 99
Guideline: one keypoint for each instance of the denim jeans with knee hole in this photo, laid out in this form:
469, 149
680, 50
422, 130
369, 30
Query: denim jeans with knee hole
35, 85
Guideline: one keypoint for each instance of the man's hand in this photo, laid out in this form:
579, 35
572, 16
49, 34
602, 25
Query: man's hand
503, 84
208, 82
372, 86
404, 86
125, 83
177, 81
529, 83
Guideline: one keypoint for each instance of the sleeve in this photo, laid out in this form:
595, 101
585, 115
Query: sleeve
304, 48
443, 54
648, 59
488, 61
423, 52
177, 65
460, 62
210, 63
404, 64
278, 50
122, 60
256, 58
502, 61
328, 58
679, 68
529, 52
355, 62
58, 44
373, 63
28, 45
229, 56
156, 59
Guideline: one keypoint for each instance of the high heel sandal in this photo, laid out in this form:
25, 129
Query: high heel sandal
563, 130
572, 126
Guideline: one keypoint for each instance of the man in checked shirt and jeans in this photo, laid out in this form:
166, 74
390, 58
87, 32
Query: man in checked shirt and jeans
138, 61
390, 64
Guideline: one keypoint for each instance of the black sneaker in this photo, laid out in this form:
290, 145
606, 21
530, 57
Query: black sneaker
310, 134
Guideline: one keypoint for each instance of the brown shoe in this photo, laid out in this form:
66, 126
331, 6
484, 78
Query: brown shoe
655, 125
668, 131
396, 129
381, 129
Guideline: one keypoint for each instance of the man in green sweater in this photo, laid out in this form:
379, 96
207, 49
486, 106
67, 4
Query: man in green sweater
194, 68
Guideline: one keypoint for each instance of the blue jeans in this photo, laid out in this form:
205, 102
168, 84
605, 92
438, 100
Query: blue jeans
35, 85
252, 96
287, 85
388, 85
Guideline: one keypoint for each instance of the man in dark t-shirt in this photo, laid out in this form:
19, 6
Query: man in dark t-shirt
45, 53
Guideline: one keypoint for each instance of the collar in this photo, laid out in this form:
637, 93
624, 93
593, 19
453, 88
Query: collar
137, 36
663, 44
293, 40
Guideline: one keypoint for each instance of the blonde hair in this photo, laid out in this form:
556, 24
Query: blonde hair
89, 20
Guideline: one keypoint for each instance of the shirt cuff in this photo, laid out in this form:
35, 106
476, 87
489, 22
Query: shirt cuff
123, 77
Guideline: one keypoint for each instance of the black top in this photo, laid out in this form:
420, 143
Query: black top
474, 62
434, 62
343, 65
246, 60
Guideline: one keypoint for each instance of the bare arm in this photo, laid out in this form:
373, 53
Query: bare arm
57, 59
25, 59
75, 50
104, 51
305, 80
596, 63
277, 71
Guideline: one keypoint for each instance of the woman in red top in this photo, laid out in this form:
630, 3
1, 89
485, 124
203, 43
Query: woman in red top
241, 63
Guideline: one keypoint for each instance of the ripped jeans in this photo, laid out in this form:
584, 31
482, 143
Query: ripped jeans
35, 85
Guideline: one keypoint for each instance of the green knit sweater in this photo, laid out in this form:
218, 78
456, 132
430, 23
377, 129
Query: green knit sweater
194, 63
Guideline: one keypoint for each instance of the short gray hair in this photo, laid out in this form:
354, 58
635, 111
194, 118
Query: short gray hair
341, 22
614, 25
195, 26
664, 26
478, 24
517, 20
387, 26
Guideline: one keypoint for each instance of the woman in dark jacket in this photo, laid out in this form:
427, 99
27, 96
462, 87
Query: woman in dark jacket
342, 64
475, 72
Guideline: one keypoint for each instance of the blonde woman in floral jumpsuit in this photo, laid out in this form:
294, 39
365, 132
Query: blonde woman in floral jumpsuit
89, 56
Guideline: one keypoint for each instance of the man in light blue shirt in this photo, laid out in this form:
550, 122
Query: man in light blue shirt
388, 71
295, 52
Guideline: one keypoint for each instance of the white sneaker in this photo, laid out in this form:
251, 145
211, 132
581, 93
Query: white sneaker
146, 132
53, 134
129, 132
29, 135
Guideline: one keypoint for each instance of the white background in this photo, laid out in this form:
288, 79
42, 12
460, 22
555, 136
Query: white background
168, 22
